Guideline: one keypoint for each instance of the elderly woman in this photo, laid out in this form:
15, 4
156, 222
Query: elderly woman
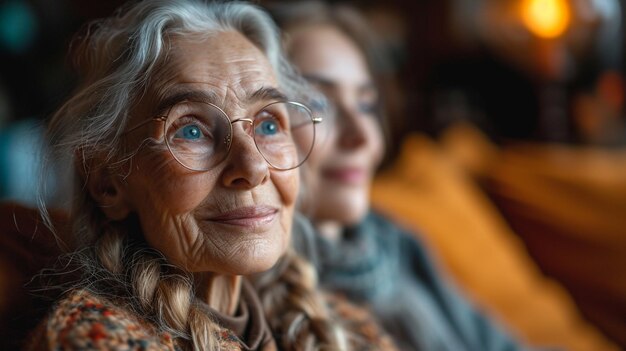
358, 252
185, 143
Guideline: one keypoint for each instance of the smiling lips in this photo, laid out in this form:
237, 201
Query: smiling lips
347, 175
252, 216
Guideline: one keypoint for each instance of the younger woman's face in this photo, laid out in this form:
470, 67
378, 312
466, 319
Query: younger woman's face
350, 145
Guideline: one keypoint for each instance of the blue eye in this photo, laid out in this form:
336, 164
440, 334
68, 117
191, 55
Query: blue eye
368, 108
319, 105
189, 132
267, 127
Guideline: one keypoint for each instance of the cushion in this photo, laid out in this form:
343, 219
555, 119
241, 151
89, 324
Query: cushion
568, 205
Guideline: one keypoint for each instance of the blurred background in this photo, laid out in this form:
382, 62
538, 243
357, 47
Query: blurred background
525, 97
545, 70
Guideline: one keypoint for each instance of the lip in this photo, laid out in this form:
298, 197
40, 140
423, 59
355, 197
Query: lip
346, 175
251, 216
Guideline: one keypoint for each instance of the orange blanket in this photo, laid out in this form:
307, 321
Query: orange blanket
427, 190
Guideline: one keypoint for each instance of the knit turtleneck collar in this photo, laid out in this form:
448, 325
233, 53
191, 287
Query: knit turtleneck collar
248, 323
360, 263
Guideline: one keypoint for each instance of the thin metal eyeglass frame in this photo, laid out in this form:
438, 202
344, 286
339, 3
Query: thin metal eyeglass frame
163, 118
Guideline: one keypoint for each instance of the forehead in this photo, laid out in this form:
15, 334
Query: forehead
325, 50
225, 65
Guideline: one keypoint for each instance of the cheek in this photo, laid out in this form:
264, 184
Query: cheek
159, 183
181, 195
286, 183
165, 197
311, 171
323, 150
375, 142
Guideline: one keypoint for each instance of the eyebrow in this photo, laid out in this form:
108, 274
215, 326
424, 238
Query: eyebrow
328, 83
266, 93
261, 94
182, 95
315, 79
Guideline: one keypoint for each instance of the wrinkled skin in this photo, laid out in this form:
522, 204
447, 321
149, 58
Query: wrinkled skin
179, 210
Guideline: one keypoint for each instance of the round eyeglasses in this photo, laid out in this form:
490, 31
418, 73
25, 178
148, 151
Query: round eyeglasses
199, 134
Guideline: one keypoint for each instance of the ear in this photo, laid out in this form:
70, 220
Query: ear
106, 188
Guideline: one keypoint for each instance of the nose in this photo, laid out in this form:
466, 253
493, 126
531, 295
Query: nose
245, 166
352, 134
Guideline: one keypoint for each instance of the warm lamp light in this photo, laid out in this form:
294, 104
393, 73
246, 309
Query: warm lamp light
546, 18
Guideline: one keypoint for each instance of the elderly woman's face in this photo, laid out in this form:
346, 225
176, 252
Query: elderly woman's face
236, 217
343, 162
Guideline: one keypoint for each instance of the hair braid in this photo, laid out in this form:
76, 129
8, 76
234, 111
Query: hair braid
297, 312
159, 291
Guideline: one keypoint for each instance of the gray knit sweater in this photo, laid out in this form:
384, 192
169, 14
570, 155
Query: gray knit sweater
377, 264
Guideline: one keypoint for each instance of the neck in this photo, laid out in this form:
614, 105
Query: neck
330, 230
220, 292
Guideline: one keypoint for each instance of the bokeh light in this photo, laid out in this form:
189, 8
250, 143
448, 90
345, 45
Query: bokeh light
546, 18
17, 26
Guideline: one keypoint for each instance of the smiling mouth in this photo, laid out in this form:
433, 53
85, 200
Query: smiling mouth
253, 216
347, 175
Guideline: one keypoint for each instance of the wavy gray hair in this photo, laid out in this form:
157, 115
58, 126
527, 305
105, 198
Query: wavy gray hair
117, 57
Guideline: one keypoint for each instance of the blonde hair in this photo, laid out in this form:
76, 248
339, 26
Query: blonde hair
296, 309
116, 59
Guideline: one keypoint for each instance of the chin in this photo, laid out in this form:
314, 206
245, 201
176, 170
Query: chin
258, 258
345, 212
352, 217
